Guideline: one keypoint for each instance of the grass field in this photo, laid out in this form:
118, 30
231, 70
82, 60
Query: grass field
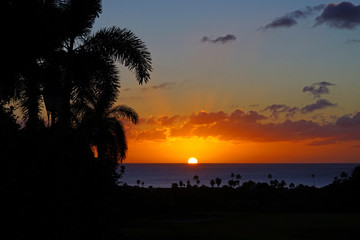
251, 226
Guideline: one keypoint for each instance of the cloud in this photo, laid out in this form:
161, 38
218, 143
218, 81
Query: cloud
204, 117
289, 19
277, 109
164, 120
241, 116
284, 21
348, 121
164, 85
344, 15
247, 126
225, 39
317, 89
320, 104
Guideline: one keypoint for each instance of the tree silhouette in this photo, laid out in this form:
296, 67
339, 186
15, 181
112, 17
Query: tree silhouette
63, 53
188, 184
313, 178
212, 183
238, 178
48, 26
52, 54
197, 180
218, 181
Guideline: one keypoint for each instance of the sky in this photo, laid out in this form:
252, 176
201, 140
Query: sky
243, 81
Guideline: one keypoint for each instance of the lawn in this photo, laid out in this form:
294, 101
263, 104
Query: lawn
251, 226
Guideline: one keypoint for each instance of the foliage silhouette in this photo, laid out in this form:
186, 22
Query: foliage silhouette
218, 181
53, 180
212, 183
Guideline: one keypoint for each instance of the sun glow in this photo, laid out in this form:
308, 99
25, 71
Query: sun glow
192, 161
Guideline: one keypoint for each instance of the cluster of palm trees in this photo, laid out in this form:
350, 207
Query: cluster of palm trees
54, 61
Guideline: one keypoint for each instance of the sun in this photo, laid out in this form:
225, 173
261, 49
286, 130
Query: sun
192, 161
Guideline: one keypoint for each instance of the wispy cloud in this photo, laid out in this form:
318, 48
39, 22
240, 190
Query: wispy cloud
290, 19
225, 39
164, 85
344, 15
284, 21
320, 104
277, 109
318, 89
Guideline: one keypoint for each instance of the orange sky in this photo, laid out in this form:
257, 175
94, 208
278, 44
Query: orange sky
241, 137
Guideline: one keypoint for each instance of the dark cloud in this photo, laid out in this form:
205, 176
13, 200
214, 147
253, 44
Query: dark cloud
320, 104
348, 121
206, 118
344, 15
308, 11
284, 21
225, 39
317, 89
277, 109
241, 116
167, 121
289, 19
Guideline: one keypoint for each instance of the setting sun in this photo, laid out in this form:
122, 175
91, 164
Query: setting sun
192, 161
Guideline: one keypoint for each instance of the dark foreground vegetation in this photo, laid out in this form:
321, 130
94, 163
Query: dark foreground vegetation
74, 200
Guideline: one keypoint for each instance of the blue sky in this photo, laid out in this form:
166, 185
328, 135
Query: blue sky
258, 68
229, 79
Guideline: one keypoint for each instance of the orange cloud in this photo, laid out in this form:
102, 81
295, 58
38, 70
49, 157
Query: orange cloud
247, 126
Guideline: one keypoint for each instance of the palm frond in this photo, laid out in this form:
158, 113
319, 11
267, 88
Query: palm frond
124, 46
120, 144
125, 112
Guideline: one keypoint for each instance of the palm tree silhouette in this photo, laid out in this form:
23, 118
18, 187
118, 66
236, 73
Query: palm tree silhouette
48, 25
218, 181
67, 56
313, 178
93, 68
212, 183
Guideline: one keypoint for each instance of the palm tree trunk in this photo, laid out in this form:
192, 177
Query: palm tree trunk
31, 98
64, 116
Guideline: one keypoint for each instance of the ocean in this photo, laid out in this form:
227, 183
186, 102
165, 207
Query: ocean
163, 175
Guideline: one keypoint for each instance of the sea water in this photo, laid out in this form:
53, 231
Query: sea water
163, 175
